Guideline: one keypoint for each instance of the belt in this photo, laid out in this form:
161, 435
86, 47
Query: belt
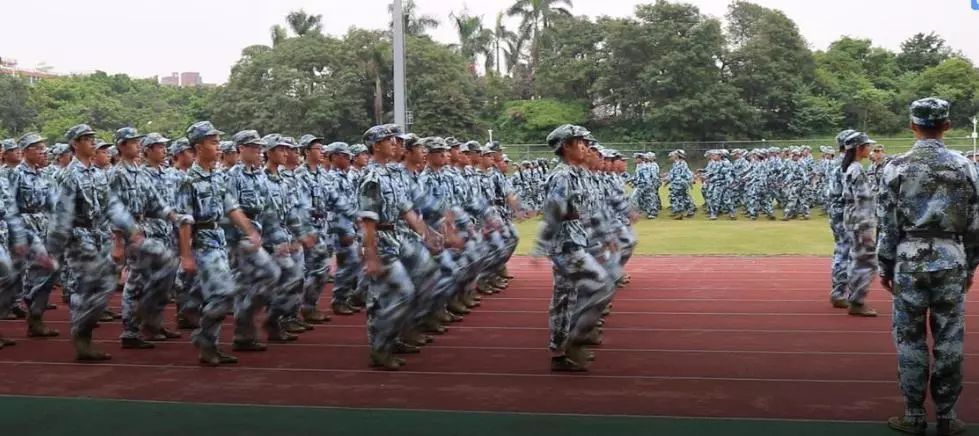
317, 215
206, 226
572, 217
86, 224
934, 234
385, 227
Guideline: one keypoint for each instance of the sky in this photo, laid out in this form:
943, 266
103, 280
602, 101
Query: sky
149, 38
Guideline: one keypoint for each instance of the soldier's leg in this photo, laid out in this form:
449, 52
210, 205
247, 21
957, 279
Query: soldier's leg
348, 269
284, 295
255, 275
96, 278
8, 290
909, 329
388, 310
38, 282
861, 270
316, 271
563, 302
155, 270
841, 249
947, 322
216, 286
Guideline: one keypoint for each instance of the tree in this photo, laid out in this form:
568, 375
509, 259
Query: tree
921, 52
501, 37
415, 25
571, 49
474, 39
535, 16
16, 115
300, 23
768, 63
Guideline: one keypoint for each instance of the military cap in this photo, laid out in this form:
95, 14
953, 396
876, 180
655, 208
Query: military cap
485, 150
288, 141
100, 144
153, 138
358, 149
650, 156
469, 147
826, 150
841, 137
29, 139
125, 134
78, 131
337, 148
383, 131
856, 139
247, 137
679, 153
506, 159
452, 142
878, 146
563, 133
495, 146
969, 154
200, 130
435, 143
306, 140
9, 144
113, 151
929, 112
274, 140
59, 149
179, 145
638, 155
227, 147
412, 140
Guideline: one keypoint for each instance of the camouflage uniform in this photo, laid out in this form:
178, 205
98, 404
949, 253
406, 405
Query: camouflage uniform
795, 181
860, 224
187, 296
9, 285
841, 248
85, 203
758, 198
152, 267
928, 247
679, 179
582, 286
347, 245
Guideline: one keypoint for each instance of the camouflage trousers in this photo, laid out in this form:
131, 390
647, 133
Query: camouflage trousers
38, 280
389, 301
287, 292
841, 258
582, 289
152, 271
214, 287
87, 254
349, 266
646, 199
929, 301
719, 200
317, 270
8, 283
680, 201
423, 271
796, 201
862, 265
627, 244
255, 274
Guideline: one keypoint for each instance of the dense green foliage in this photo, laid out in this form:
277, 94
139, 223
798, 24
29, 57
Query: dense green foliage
666, 73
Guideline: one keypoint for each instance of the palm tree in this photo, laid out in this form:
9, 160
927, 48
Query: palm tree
474, 39
302, 23
415, 25
501, 35
536, 15
279, 34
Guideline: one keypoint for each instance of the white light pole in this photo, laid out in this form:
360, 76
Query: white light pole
398, 41
975, 135
491, 135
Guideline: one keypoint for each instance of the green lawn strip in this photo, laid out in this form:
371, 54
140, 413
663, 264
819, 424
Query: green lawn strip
82, 417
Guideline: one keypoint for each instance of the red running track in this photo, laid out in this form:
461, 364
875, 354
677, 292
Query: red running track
691, 336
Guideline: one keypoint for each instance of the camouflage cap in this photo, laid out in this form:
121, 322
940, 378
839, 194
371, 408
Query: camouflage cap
929, 112
436, 143
826, 149
9, 144
638, 155
411, 140
506, 159
152, 139
969, 154
100, 144
200, 130
856, 139
78, 131
470, 147
358, 149
486, 150
179, 145
495, 146
338, 148
452, 142
383, 131
125, 134
774, 150
247, 137
563, 133
113, 151
841, 137
274, 140
59, 149
29, 139
306, 140
651, 156
227, 147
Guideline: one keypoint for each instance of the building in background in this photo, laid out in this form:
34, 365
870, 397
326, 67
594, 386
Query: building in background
185, 79
33, 75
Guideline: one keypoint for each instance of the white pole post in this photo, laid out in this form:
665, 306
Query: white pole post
400, 109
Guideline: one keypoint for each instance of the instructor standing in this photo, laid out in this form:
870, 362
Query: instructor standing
927, 258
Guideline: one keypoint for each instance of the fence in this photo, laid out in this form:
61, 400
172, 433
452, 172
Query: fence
696, 149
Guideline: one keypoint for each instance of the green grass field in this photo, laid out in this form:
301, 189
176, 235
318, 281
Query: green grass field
699, 236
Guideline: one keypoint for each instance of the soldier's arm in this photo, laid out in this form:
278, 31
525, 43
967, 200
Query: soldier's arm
971, 237
889, 231
553, 212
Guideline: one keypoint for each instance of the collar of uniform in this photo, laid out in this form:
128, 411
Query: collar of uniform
929, 143
199, 170
129, 166
75, 163
27, 168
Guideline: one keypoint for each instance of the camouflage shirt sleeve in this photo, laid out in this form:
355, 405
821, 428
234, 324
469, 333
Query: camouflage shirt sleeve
889, 232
